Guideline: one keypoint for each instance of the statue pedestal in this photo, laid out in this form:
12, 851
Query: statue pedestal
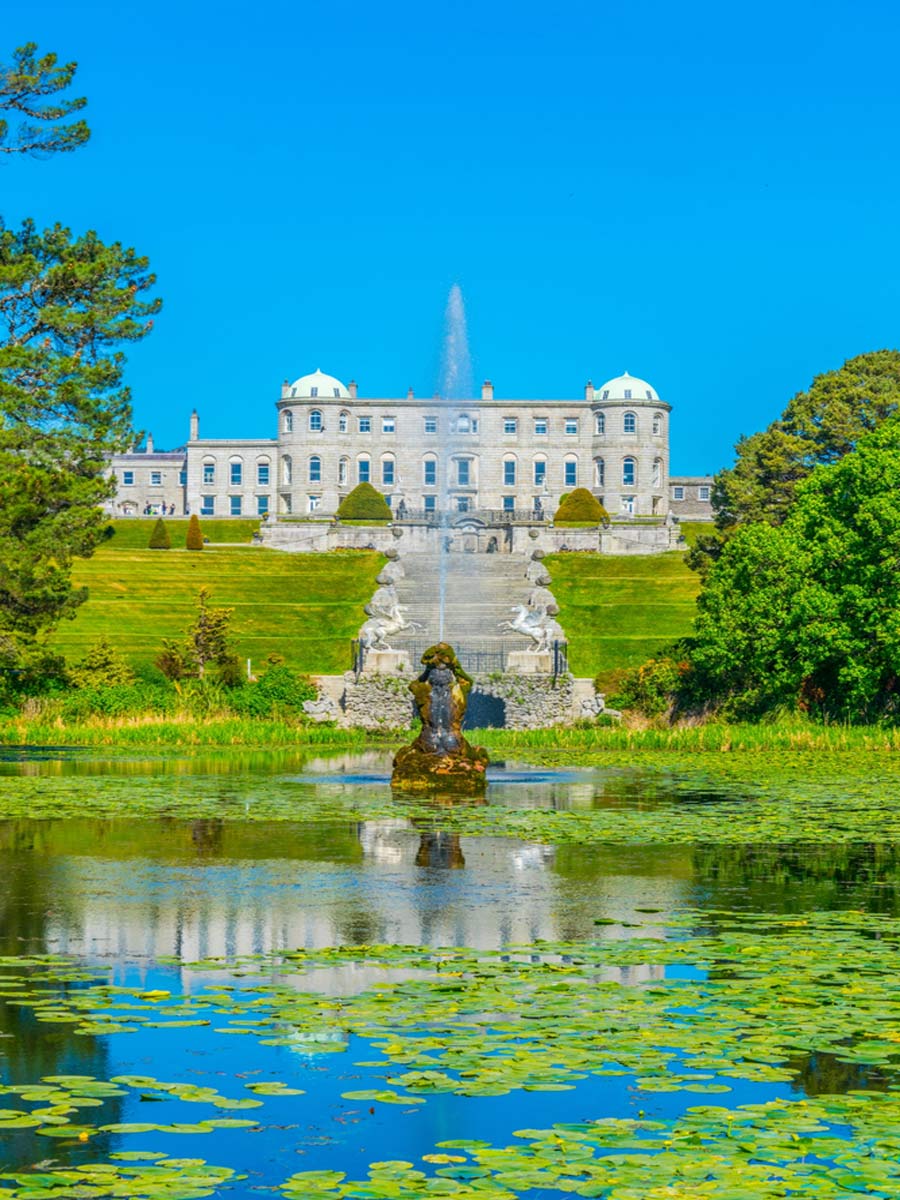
524, 662
388, 662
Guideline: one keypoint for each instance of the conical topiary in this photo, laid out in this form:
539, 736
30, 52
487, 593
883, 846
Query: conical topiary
364, 503
579, 506
194, 538
159, 538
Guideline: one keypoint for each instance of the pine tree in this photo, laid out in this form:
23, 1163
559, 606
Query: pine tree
194, 538
25, 86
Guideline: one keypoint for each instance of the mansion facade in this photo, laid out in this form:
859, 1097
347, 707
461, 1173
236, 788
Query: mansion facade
424, 455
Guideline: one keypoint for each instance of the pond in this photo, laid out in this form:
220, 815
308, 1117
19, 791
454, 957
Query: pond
264, 973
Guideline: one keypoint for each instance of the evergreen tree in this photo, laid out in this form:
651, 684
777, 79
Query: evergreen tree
580, 505
159, 538
30, 90
364, 503
194, 538
102, 666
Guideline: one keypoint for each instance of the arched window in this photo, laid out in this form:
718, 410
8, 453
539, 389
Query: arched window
236, 471
315, 421
600, 423
287, 468
288, 421
315, 469
570, 471
657, 423
629, 423
343, 472
363, 468
540, 472
629, 472
387, 470
343, 422
429, 471
209, 471
599, 473
657, 472
263, 470
509, 470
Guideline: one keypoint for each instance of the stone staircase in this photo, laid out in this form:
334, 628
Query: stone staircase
480, 590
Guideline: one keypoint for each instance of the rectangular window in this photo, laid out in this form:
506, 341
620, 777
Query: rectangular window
509, 503
474, 424
462, 503
703, 493
262, 505
540, 426
128, 478
510, 425
287, 504
207, 506
388, 425
155, 478
540, 473
387, 472
571, 474
431, 424
430, 503
262, 474
677, 493
237, 473
462, 472
365, 424
430, 472
363, 469
209, 473
571, 425
315, 469
234, 505
312, 503
509, 474
182, 478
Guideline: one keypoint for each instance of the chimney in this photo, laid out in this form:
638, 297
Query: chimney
487, 390
149, 449
351, 388
195, 426
286, 389
410, 395
589, 392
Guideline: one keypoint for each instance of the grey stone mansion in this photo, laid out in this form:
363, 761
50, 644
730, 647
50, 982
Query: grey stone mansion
424, 455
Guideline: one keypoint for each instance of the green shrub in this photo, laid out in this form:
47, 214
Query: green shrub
119, 700
279, 691
102, 666
581, 505
159, 538
364, 503
652, 688
194, 538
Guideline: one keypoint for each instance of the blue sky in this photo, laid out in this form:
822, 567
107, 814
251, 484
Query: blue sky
703, 194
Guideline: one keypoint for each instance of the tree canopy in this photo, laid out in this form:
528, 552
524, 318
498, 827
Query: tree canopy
807, 613
34, 116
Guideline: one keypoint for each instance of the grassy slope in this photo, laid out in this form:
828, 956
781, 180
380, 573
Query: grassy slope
617, 611
134, 534
305, 607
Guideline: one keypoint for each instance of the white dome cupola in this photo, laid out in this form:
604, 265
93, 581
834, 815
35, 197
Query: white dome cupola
317, 386
627, 387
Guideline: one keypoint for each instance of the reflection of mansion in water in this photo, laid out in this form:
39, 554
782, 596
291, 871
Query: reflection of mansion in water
424, 455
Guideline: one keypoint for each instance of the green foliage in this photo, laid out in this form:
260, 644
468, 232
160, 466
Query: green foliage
102, 666
194, 537
30, 88
817, 427
130, 533
808, 613
580, 505
364, 503
159, 538
279, 691
206, 645
652, 688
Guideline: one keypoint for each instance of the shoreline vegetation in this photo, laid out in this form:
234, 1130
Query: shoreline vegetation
189, 731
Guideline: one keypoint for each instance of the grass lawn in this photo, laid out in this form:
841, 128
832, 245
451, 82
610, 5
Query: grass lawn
305, 607
134, 533
617, 611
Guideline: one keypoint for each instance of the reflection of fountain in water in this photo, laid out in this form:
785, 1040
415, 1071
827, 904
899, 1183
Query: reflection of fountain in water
455, 384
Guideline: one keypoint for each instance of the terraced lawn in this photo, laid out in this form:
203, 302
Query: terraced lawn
305, 607
618, 611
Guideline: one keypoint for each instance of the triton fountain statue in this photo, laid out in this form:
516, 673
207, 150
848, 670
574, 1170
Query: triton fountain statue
440, 757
